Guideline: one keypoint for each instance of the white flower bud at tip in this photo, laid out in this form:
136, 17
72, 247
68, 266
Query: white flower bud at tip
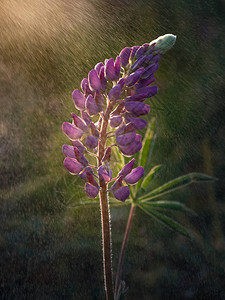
164, 42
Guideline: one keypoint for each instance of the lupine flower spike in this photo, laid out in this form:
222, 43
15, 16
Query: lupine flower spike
114, 92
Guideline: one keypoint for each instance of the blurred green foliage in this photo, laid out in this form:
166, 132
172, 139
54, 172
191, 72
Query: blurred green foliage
51, 249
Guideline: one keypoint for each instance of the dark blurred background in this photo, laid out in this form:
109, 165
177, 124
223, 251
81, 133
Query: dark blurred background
51, 249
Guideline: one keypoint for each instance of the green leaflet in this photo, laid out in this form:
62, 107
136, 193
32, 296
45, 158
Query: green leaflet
146, 151
165, 220
169, 205
175, 184
148, 178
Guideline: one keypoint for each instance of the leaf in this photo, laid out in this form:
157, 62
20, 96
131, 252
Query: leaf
148, 178
165, 220
176, 184
119, 157
170, 205
147, 148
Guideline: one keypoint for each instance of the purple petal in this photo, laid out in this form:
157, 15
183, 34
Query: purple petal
114, 93
138, 63
79, 122
91, 179
137, 108
127, 168
149, 91
86, 117
85, 87
126, 139
117, 67
91, 106
98, 67
137, 122
72, 165
145, 82
115, 121
91, 190
134, 50
99, 99
110, 72
68, 151
104, 174
122, 193
80, 157
149, 58
118, 109
79, 99
72, 131
137, 97
141, 50
125, 56
132, 148
102, 79
94, 81
83, 175
157, 57
135, 175
150, 70
134, 77
91, 141
79, 145
117, 184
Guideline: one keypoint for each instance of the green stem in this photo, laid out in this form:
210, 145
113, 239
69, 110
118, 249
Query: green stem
122, 252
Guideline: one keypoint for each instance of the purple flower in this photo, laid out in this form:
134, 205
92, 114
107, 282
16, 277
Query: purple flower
68, 151
138, 63
99, 99
80, 157
149, 91
137, 108
91, 106
105, 173
91, 190
141, 50
73, 132
134, 77
79, 145
135, 175
107, 155
83, 175
117, 67
114, 93
94, 81
134, 50
79, 99
85, 87
80, 123
110, 72
127, 168
133, 147
125, 56
98, 67
138, 123
72, 165
150, 70
115, 121
122, 193
126, 139
91, 141
103, 79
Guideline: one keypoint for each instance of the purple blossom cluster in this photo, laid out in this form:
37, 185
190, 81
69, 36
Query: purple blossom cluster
111, 105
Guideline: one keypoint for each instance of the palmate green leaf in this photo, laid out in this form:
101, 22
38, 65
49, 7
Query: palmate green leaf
165, 220
148, 178
169, 205
176, 184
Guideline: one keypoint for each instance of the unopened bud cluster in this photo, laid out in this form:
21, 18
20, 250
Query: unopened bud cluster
111, 104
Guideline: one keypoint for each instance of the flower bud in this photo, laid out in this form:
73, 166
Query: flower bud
68, 151
91, 106
104, 174
110, 72
141, 50
85, 87
107, 155
132, 148
125, 139
125, 56
86, 117
91, 190
94, 130
134, 50
135, 175
102, 79
164, 43
149, 91
117, 67
117, 184
114, 93
138, 63
72, 165
79, 100
122, 193
83, 175
79, 122
134, 77
94, 81
145, 82
91, 141
138, 123
80, 157
127, 168
72, 132
115, 121
79, 145
99, 99
151, 69
137, 108
98, 67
